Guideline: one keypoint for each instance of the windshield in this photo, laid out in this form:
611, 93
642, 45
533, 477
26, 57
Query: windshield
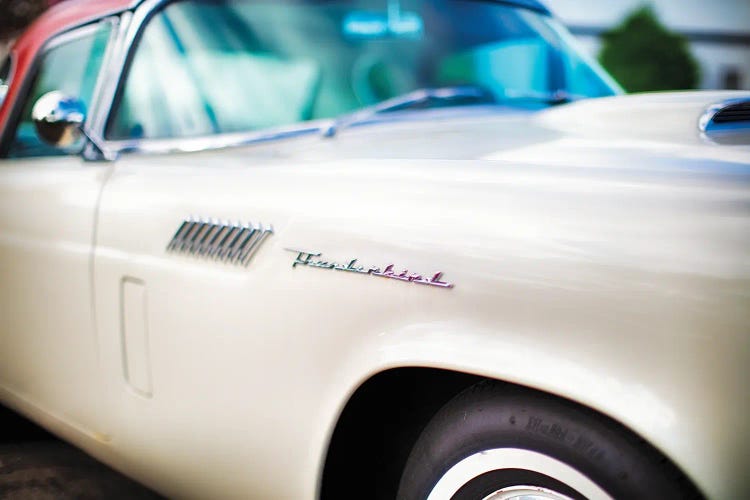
207, 67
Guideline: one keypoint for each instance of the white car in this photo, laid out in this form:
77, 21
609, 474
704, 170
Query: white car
371, 249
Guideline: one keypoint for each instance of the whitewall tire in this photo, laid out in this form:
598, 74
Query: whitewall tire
500, 442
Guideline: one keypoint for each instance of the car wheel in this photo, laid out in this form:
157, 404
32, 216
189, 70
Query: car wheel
494, 441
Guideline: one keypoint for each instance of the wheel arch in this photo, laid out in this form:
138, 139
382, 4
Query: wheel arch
401, 401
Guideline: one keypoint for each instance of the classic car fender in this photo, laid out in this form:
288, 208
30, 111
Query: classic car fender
677, 420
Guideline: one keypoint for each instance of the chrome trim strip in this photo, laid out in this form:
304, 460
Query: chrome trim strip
216, 141
234, 243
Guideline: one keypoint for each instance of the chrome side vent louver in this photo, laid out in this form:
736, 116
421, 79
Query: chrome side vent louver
727, 122
220, 241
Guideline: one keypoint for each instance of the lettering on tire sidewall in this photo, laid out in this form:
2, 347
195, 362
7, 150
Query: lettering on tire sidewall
560, 433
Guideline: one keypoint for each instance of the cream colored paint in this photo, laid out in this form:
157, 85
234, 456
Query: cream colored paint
136, 361
615, 273
48, 345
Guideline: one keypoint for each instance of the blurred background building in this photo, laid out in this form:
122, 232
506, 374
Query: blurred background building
715, 34
717, 31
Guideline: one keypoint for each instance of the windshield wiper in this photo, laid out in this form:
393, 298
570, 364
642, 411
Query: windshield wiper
555, 97
418, 98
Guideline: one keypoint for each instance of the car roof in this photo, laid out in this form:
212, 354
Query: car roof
67, 15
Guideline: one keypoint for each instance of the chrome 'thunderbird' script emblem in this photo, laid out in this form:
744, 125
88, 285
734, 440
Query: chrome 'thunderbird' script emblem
221, 241
312, 259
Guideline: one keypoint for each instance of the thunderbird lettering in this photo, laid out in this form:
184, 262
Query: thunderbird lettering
305, 258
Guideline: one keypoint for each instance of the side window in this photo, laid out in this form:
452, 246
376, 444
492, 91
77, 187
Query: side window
71, 67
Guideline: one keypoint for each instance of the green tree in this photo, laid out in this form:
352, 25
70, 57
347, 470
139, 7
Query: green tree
642, 54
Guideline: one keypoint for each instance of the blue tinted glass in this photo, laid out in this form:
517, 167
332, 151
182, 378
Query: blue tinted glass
208, 67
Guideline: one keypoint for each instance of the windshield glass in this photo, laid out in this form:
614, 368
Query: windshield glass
207, 67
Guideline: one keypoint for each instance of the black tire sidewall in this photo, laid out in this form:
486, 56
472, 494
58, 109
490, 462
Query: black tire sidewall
492, 415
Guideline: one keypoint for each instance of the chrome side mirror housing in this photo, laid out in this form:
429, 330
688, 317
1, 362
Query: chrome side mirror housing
58, 118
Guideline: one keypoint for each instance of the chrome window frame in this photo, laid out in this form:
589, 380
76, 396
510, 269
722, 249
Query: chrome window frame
132, 24
95, 117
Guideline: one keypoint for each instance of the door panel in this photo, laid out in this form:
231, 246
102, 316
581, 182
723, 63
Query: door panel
208, 374
48, 347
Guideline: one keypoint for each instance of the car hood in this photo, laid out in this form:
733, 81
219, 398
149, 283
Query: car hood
667, 117
588, 132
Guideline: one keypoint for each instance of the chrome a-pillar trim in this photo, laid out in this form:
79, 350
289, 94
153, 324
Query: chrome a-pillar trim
97, 149
131, 24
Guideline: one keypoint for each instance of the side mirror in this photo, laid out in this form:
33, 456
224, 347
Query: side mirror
58, 118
